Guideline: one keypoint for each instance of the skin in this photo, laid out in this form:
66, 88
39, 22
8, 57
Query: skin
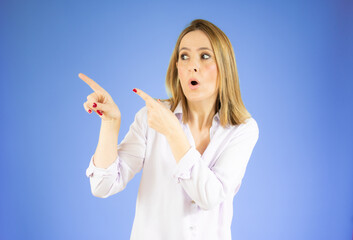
161, 119
196, 60
193, 63
193, 56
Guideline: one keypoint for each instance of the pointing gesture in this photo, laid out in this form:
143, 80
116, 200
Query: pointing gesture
100, 101
160, 118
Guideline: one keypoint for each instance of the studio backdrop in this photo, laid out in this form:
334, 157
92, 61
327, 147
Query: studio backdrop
294, 61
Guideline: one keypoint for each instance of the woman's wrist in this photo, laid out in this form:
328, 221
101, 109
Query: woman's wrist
178, 143
111, 121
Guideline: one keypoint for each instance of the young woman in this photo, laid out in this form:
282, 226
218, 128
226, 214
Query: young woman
193, 147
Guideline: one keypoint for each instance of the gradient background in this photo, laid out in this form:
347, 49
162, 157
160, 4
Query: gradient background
294, 61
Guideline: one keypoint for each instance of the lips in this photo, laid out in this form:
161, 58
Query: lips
193, 83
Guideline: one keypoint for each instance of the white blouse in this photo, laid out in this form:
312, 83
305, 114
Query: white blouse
189, 200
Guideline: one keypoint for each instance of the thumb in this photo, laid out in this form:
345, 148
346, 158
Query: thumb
162, 103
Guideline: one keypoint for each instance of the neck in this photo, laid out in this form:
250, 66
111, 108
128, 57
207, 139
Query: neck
201, 114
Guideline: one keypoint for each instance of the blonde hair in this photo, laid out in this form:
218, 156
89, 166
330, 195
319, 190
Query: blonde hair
229, 103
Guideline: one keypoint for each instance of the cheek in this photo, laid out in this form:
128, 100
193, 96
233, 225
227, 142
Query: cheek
212, 67
181, 73
212, 70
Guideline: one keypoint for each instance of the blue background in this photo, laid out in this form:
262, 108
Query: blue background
294, 61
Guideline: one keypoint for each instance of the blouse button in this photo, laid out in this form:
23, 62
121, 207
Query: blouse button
193, 202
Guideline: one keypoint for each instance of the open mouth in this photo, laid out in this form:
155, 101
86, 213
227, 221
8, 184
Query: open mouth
193, 84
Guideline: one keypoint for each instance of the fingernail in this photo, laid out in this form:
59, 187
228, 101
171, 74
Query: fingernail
94, 105
89, 110
134, 90
99, 112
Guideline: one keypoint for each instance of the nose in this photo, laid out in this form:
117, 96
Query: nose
193, 66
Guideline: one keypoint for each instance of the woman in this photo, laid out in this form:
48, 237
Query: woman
193, 147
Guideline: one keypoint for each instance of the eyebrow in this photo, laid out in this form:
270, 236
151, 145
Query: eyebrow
201, 48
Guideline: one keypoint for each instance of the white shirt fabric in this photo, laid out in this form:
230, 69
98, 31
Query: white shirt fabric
191, 200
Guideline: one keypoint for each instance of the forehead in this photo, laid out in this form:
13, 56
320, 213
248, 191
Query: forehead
195, 39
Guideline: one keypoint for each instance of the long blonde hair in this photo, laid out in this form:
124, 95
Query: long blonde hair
229, 103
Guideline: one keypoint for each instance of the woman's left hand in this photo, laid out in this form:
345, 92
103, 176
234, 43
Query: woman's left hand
160, 118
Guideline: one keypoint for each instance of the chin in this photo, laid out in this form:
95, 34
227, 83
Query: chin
197, 98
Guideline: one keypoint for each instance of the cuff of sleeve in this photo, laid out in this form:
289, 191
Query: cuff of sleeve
93, 170
185, 164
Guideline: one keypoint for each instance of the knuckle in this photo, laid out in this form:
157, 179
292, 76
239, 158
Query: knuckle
90, 97
104, 107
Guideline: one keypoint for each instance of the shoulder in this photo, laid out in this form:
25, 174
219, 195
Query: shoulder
249, 128
141, 116
251, 125
142, 112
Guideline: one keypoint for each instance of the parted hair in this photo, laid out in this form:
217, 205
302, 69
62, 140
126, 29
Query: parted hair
228, 103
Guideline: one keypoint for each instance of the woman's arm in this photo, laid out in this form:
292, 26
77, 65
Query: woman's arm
106, 152
210, 186
178, 143
129, 156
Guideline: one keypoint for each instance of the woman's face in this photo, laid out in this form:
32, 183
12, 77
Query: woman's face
197, 65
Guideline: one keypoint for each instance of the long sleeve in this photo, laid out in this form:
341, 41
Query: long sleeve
191, 199
130, 160
209, 186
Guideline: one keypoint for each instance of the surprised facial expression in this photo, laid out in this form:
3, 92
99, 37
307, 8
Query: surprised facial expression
197, 67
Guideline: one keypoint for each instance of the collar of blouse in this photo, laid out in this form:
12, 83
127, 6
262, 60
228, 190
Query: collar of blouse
179, 112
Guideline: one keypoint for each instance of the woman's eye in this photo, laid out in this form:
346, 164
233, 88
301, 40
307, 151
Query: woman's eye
183, 56
205, 56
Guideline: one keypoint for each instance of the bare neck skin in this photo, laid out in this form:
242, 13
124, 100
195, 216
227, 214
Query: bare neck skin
201, 114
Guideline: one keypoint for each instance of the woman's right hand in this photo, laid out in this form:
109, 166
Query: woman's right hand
100, 101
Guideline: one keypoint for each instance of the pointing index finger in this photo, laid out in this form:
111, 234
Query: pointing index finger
95, 86
144, 95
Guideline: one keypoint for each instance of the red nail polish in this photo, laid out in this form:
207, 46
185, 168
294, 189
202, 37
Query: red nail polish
89, 110
94, 105
99, 112
134, 90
